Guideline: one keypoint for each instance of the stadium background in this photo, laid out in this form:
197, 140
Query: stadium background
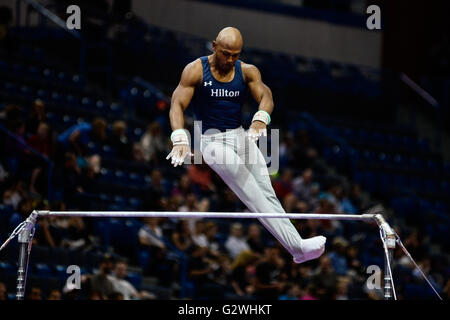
355, 132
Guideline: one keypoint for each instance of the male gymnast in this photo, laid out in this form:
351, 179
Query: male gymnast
216, 87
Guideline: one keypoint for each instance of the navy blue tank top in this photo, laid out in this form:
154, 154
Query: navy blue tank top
218, 104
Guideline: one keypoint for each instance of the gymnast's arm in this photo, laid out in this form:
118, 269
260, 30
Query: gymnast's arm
260, 92
181, 97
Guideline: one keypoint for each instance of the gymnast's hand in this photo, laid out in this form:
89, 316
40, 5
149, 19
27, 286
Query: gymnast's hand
181, 147
178, 154
256, 130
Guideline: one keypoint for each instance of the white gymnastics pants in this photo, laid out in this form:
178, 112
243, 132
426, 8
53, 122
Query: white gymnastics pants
241, 165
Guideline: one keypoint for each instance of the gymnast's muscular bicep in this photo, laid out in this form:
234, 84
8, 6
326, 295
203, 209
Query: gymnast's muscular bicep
190, 78
255, 84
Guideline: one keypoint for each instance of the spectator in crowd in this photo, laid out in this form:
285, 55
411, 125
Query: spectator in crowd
267, 282
151, 236
124, 287
118, 140
35, 294
200, 175
304, 155
292, 292
337, 256
99, 283
54, 295
355, 197
41, 140
211, 236
77, 236
325, 279
303, 185
72, 178
352, 260
115, 296
24, 209
37, 116
254, 239
236, 242
240, 277
284, 185
182, 237
76, 138
153, 143
201, 273
155, 195
310, 292
89, 174
183, 186
3, 292
342, 288
199, 237
14, 193
137, 154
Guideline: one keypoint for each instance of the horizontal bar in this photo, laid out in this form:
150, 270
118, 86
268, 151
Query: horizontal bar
177, 214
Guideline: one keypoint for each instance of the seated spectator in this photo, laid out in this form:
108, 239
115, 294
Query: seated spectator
236, 242
153, 143
41, 140
303, 185
211, 236
337, 256
284, 186
182, 237
155, 195
342, 288
99, 283
14, 193
54, 295
137, 154
90, 173
76, 236
183, 186
309, 293
3, 292
35, 294
76, 138
267, 282
290, 203
37, 116
124, 287
199, 237
72, 178
304, 155
23, 211
254, 239
201, 273
325, 279
151, 235
240, 277
200, 175
119, 141
291, 292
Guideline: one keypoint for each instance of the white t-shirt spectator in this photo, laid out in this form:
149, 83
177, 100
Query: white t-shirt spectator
236, 245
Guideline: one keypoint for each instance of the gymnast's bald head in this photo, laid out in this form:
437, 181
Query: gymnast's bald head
230, 38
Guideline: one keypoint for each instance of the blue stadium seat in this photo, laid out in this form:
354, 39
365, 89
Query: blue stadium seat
135, 279
40, 254
60, 256
42, 270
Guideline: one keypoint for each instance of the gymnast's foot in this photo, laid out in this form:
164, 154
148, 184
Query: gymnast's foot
312, 248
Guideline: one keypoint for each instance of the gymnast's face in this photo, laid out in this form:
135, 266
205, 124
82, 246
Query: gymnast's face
226, 55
